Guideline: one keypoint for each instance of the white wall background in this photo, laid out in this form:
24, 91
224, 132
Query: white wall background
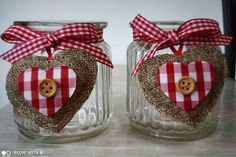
118, 13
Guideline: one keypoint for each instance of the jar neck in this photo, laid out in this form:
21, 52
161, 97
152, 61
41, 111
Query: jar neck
168, 25
51, 26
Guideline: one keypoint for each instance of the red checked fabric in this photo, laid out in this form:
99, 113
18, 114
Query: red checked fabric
202, 72
193, 32
29, 80
71, 36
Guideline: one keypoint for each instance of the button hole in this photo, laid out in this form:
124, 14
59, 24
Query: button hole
183, 82
50, 87
188, 83
187, 88
182, 87
46, 91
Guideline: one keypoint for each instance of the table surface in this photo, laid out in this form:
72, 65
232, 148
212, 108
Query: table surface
121, 140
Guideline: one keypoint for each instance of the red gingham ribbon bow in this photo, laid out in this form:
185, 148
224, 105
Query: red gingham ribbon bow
71, 36
193, 32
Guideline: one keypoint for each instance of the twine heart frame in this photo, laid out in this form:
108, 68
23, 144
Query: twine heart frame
155, 96
85, 67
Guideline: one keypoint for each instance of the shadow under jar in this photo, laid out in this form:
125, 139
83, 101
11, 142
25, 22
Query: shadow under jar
144, 116
92, 118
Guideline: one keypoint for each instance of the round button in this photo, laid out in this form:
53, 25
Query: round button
186, 85
47, 88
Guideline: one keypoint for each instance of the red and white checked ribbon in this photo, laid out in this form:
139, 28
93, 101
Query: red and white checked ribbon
193, 32
71, 36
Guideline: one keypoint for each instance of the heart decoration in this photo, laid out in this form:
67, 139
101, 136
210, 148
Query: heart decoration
160, 95
74, 73
29, 80
201, 72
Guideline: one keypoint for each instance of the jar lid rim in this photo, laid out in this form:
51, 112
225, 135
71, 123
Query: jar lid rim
99, 24
166, 22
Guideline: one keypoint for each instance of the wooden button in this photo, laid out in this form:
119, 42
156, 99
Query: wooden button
47, 88
186, 85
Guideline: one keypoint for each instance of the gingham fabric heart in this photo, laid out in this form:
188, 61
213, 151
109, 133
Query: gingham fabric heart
201, 72
29, 80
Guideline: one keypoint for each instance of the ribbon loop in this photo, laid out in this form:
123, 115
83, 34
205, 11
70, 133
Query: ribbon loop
71, 36
193, 32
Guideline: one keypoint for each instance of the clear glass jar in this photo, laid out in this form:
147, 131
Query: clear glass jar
144, 116
92, 118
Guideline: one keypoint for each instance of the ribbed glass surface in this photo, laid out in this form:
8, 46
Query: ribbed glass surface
146, 118
92, 118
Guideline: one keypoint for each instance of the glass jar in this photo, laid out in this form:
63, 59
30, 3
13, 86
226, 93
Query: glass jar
144, 116
92, 118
